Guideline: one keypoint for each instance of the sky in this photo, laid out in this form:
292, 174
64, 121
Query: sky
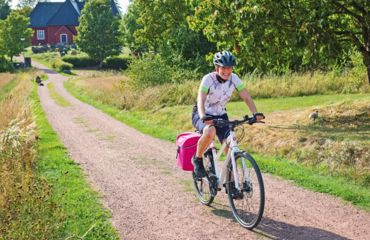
122, 3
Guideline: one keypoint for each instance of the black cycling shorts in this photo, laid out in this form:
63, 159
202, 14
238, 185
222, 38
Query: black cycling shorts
221, 132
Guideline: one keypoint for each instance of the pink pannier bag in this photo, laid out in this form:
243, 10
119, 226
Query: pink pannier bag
186, 147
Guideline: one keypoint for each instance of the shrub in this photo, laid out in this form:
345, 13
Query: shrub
40, 49
80, 61
117, 63
74, 52
60, 65
152, 70
5, 65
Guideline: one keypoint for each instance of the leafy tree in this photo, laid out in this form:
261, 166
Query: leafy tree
26, 3
98, 33
4, 9
267, 35
294, 34
15, 34
349, 21
161, 25
129, 26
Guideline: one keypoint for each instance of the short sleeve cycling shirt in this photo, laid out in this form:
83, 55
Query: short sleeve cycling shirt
219, 93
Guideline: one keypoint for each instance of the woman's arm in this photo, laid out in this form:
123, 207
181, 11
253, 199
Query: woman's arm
202, 96
248, 100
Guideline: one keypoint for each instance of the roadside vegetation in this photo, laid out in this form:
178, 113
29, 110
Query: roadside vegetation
7, 83
41, 188
27, 209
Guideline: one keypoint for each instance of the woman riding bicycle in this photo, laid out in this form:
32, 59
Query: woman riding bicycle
214, 92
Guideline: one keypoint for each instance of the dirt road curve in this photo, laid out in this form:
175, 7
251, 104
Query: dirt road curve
151, 199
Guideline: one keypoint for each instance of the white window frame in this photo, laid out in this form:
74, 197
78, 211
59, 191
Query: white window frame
60, 38
40, 34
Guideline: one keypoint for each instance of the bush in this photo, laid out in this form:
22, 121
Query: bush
149, 71
59, 65
80, 61
117, 63
152, 70
40, 49
5, 65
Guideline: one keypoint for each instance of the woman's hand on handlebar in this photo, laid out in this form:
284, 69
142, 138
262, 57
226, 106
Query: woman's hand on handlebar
258, 116
208, 120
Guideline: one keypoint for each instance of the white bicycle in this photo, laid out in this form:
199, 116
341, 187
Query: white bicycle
240, 175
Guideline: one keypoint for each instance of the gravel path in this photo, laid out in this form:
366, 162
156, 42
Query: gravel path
151, 199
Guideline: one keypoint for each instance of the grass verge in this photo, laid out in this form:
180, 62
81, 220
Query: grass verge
316, 180
56, 97
133, 119
312, 178
85, 217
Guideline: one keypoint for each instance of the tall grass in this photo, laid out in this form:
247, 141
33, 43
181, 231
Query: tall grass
122, 94
115, 90
26, 208
7, 83
305, 84
43, 194
15, 102
5, 78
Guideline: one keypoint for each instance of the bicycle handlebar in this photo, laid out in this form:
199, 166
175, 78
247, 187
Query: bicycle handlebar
222, 122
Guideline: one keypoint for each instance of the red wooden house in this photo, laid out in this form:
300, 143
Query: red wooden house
55, 22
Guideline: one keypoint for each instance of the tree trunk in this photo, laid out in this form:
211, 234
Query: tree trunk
366, 61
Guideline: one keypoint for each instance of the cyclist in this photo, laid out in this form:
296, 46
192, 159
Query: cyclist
214, 92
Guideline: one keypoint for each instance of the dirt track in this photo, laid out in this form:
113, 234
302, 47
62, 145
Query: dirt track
151, 199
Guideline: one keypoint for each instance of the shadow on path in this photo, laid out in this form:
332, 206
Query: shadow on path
46, 70
273, 229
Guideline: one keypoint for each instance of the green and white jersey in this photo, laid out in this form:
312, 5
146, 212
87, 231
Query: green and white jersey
219, 93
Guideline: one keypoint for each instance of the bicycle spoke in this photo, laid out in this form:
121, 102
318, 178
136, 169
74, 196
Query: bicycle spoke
248, 203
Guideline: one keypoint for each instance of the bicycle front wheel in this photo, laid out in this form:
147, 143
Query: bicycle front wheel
248, 203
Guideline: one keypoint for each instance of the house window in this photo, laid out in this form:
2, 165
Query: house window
40, 34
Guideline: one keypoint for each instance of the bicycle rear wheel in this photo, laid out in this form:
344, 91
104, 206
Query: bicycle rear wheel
203, 186
247, 204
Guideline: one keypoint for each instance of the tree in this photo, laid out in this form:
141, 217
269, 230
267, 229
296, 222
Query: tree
15, 34
26, 3
161, 26
4, 9
350, 23
293, 34
98, 33
129, 26
267, 35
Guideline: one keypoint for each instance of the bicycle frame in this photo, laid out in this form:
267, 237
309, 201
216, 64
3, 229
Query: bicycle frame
232, 144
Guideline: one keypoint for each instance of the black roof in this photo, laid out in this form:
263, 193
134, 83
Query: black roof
60, 13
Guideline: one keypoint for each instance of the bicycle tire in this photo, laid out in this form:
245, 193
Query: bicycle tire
202, 186
248, 204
